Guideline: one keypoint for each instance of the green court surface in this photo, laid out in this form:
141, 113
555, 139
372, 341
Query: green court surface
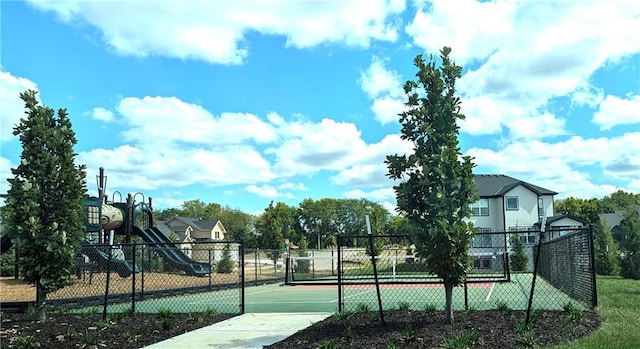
324, 298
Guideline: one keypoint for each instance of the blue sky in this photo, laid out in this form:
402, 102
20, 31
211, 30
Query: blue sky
246, 102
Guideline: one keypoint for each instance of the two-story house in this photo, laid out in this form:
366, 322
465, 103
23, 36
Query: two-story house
515, 207
189, 231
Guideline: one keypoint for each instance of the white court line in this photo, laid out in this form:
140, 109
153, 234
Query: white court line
351, 296
490, 292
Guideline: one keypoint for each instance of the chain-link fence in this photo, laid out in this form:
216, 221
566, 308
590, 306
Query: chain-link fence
180, 277
397, 278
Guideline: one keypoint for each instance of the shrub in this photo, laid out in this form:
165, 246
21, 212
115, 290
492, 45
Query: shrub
519, 259
225, 266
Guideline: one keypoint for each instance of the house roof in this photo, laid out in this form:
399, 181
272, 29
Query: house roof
496, 185
558, 217
200, 224
612, 219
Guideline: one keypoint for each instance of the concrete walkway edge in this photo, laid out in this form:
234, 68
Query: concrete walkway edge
247, 331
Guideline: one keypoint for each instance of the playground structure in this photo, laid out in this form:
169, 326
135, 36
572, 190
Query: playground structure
106, 219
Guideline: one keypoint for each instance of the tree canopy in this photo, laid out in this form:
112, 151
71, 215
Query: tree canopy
44, 205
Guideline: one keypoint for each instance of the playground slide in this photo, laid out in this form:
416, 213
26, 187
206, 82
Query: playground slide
5, 243
122, 267
172, 254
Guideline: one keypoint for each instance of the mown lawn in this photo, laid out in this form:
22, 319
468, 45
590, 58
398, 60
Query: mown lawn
619, 306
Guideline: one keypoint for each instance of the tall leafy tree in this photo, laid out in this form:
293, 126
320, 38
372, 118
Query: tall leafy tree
581, 208
630, 262
274, 225
435, 183
606, 251
46, 198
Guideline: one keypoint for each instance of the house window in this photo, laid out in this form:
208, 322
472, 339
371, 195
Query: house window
217, 235
529, 235
529, 238
482, 263
540, 208
512, 202
480, 208
482, 239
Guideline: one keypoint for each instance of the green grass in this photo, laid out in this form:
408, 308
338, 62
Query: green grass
619, 307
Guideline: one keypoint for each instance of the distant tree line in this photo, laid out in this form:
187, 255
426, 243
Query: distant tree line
312, 224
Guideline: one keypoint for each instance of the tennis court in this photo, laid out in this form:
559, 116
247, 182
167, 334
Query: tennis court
325, 298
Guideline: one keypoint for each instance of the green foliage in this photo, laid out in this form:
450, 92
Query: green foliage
430, 308
525, 335
404, 306
7, 263
586, 209
225, 266
572, 312
606, 251
26, 342
618, 201
89, 338
45, 201
276, 224
129, 335
518, 257
323, 219
464, 340
435, 184
630, 261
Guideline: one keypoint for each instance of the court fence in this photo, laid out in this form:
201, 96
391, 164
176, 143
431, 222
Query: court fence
561, 274
150, 277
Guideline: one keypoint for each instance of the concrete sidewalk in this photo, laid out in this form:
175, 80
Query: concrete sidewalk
247, 331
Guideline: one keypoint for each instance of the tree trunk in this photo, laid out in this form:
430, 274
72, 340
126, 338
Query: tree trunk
41, 297
448, 308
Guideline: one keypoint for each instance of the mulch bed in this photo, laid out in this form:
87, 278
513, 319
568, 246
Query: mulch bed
413, 329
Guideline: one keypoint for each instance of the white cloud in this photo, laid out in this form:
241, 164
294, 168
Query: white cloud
163, 120
564, 166
616, 111
214, 31
309, 147
138, 167
384, 87
102, 114
267, 191
11, 106
523, 54
384, 196
369, 170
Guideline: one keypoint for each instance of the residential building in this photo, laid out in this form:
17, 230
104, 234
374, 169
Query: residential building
189, 231
515, 208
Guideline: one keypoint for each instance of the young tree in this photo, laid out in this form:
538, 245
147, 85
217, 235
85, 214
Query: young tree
46, 198
225, 266
435, 182
606, 251
518, 256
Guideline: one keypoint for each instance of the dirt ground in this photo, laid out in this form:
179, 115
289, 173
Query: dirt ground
12, 290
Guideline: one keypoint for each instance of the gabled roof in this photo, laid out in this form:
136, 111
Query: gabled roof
612, 219
558, 217
497, 185
200, 224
